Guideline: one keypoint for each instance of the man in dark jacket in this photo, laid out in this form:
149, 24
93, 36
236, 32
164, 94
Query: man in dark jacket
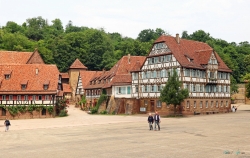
7, 124
150, 121
157, 120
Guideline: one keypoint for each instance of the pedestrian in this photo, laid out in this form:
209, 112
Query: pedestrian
7, 124
150, 121
157, 120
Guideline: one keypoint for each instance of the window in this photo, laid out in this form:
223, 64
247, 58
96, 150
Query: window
3, 112
43, 111
121, 90
23, 86
158, 88
34, 97
136, 88
212, 104
186, 72
19, 97
128, 90
206, 104
145, 102
217, 104
39, 97
152, 88
201, 104
3, 97
221, 104
226, 103
146, 88
158, 103
188, 104
46, 97
45, 87
194, 104
10, 97
26, 97
7, 76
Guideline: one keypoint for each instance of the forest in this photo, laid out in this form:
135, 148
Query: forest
99, 50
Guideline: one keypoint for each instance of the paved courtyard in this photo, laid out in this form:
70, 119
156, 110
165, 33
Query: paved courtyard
82, 135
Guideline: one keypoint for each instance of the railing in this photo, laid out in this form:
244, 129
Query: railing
26, 102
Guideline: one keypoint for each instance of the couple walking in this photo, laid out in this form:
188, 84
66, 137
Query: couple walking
156, 119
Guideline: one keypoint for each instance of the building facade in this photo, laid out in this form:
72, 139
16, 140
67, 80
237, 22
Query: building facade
198, 66
25, 82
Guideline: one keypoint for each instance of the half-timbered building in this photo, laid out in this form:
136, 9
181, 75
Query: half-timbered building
117, 83
198, 66
26, 80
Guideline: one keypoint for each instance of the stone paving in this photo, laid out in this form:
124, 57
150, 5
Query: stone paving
108, 136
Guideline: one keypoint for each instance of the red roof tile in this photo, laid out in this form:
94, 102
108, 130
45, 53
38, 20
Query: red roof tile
64, 75
77, 65
66, 88
26, 73
119, 73
198, 51
86, 76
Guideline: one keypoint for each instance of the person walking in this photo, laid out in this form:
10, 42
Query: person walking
157, 120
150, 121
7, 124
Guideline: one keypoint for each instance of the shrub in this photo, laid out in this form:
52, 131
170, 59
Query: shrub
94, 110
63, 113
103, 112
21, 108
13, 110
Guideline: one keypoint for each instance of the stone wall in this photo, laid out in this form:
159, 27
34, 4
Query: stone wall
26, 115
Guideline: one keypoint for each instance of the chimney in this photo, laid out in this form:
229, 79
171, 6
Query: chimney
129, 58
37, 71
177, 38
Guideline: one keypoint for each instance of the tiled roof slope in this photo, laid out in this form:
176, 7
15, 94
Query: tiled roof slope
86, 76
77, 65
119, 73
26, 73
64, 75
66, 88
11, 57
200, 52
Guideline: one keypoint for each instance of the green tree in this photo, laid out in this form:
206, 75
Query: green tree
172, 93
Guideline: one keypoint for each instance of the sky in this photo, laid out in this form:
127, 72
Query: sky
223, 19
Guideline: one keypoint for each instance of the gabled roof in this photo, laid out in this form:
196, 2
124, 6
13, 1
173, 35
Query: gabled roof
119, 74
77, 65
86, 76
198, 51
28, 74
14, 57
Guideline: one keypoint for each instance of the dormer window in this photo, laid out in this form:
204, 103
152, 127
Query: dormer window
24, 84
46, 85
7, 75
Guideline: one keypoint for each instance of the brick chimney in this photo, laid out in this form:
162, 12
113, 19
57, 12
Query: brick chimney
177, 38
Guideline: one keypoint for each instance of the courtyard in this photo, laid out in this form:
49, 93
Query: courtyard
126, 136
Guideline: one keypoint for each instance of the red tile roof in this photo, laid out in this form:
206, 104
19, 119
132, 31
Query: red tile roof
26, 74
64, 75
77, 65
119, 73
66, 88
86, 76
11, 57
200, 52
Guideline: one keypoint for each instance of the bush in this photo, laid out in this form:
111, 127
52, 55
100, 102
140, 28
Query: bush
94, 110
113, 113
63, 113
103, 112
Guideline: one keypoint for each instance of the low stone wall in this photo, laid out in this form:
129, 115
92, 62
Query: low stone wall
26, 115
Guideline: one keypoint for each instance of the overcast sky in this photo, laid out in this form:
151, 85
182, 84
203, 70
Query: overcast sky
224, 19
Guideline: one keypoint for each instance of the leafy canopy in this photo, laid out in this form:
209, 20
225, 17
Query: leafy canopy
172, 93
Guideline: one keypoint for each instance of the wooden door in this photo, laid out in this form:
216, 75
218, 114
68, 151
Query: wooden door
152, 104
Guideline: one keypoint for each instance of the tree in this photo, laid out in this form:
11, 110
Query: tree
172, 93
